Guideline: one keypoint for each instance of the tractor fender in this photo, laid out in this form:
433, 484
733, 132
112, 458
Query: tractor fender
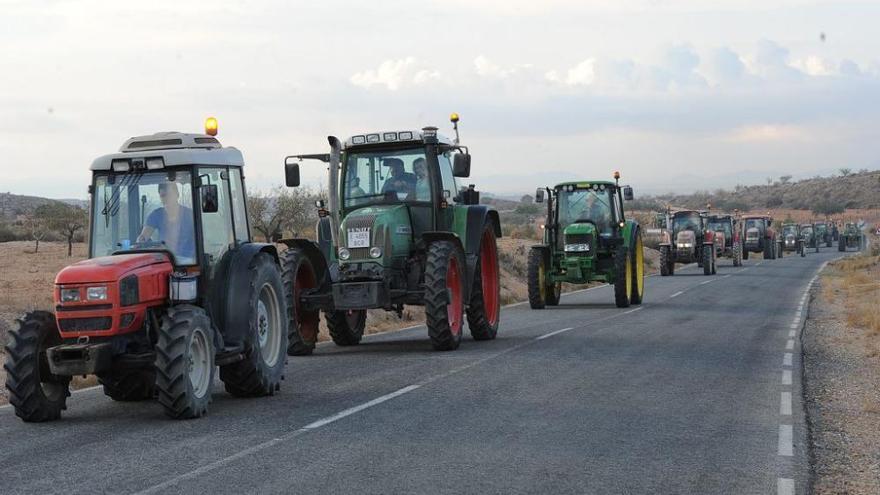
316, 256
231, 314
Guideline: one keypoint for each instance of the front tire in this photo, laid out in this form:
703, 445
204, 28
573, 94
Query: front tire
36, 395
622, 278
780, 249
185, 362
537, 279
299, 275
346, 327
708, 252
484, 310
444, 295
737, 254
666, 263
261, 371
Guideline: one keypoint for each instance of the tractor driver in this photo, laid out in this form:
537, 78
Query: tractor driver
597, 212
423, 187
173, 221
399, 181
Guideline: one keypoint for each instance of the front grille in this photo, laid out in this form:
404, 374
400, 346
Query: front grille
85, 324
88, 307
578, 239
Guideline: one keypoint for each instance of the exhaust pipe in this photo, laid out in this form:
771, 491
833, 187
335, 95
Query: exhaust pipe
333, 189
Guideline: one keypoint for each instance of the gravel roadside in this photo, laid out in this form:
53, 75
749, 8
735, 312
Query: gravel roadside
841, 377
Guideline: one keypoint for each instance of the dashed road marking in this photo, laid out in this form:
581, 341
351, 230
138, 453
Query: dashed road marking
792, 333
785, 486
676, 294
795, 325
789, 345
557, 332
708, 281
786, 359
786, 377
786, 436
359, 408
785, 404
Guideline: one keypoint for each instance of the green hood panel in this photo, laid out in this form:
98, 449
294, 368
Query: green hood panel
387, 227
580, 228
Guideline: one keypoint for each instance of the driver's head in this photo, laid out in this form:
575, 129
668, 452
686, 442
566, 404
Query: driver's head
168, 193
419, 168
395, 166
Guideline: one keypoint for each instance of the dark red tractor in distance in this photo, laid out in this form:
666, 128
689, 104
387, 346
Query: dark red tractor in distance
173, 288
760, 237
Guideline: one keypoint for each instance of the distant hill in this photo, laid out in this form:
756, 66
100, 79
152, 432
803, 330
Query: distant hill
821, 194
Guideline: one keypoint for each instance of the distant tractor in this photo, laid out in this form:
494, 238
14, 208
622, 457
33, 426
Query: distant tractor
823, 233
173, 287
398, 230
587, 238
808, 234
688, 239
792, 239
760, 237
728, 240
851, 237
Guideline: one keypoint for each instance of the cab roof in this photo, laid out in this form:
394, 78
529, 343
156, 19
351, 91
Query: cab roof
175, 148
586, 183
392, 137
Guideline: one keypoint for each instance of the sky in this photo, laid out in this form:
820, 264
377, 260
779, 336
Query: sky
677, 95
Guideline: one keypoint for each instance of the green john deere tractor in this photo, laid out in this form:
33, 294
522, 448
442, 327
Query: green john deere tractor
851, 237
398, 230
587, 238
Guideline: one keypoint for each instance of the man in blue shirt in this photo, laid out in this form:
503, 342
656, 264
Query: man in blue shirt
174, 224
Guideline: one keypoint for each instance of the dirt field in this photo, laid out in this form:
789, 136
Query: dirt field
842, 370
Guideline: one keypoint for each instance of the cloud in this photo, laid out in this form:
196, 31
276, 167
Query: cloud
725, 65
815, 66
772, 62
486, 68
769, 133
582, 74
394, 74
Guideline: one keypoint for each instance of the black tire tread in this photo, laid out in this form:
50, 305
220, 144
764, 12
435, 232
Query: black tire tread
172, 376
436, 316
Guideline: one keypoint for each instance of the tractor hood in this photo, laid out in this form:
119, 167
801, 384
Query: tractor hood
579, 228
686, 237
386, 227
108, 268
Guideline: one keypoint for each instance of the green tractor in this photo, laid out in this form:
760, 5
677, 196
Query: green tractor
587, 238
851, 237
398, 230
823, 233
792, 239
808, 234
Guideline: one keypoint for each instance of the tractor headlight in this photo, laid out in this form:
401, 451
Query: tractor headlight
97, 293
69, 295
577, 248
344, 254
375, 252
685, 245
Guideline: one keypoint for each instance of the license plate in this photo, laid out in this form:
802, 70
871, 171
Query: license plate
359, 238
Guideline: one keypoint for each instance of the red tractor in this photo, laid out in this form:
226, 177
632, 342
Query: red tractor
173, 288
688, 239
727, 240
760, 237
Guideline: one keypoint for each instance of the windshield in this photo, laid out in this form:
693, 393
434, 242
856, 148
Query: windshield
806, 230
790, 230
686, 221
583, 205
385, 176
755, 223
719, 225
144, 211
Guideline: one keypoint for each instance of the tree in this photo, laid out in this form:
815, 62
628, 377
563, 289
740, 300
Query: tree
527, 198
844, 172
828, 207
281, 210
36, 225
784, 179
64, 219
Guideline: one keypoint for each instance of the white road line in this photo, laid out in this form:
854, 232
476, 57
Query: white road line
785, 404
359, 408
786, 377
676, 294
789, 345
726, 275
708, 281
633, 310
795, 325
786, 359
785, 486
792, 333
786, 436
557, 332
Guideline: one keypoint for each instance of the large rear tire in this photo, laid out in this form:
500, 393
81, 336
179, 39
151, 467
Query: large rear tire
298, 274
737, 254
780, 249
538, 266
185, 362
261, 371
346, 327
622, 277
664, 261
745, 253
444, 294
637, 255
708, 255
129, 385
484, 310
36, 395
841, 244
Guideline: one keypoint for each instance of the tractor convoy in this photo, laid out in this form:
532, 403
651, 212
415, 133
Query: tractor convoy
175, 288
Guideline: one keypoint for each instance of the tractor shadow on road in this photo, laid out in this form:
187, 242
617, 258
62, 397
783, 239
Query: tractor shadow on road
570, 306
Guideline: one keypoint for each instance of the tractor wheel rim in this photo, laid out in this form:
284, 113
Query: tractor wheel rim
628, 276
453, 284
199, 363
640, 266
489, 276
269, 325
542, 287
308, 321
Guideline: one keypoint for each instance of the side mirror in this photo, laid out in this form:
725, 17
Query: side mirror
291, 174
319, 204
539, 195
210, 203
627, 193
461, 165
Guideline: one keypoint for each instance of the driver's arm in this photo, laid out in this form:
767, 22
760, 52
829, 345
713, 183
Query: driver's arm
146, 233
150, 225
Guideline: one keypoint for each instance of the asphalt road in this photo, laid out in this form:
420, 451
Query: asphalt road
697, 391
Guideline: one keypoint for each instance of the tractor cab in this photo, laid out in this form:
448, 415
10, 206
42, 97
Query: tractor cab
723, 224
790, 236
587, 213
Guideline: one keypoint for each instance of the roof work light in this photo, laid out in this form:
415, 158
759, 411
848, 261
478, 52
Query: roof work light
211, 126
